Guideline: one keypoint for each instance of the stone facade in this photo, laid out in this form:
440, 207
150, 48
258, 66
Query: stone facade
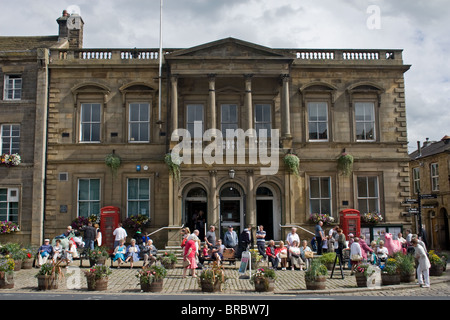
430, 174
321, 103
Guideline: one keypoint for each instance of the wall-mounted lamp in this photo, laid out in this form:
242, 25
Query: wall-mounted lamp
231, 173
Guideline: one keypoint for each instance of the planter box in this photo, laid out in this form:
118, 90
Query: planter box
207, 286
47, 282
17, 265
390, 279
436, 271
27, 264
155, 286
97, 284
318, 284
6, 280
408, 278
264, 285
361, 280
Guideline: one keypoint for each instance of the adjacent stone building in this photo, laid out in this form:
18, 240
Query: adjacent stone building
314, 103
430, 175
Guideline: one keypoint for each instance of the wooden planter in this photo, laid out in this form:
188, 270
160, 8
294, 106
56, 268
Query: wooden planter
155, 286
17, 265
436, 271
6, 280
27, 264
264, 284
390, 279
101, 260
47, 282
319, 283
408, 278
97, 284
207, 286
361, 280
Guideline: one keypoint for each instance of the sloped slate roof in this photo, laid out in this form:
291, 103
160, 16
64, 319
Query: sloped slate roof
433, 148
10, 43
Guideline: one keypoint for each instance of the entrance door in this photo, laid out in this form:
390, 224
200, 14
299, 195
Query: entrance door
267, 212
196, 210
231, 209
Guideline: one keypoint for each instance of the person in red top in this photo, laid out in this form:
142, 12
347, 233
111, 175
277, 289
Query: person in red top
271, 252
189, 261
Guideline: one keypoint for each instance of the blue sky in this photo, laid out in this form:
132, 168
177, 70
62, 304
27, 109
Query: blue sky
420, 28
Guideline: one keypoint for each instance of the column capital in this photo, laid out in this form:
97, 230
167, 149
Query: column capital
285, 77
213, 173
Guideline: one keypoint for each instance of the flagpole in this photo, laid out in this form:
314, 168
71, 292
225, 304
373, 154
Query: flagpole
160, 60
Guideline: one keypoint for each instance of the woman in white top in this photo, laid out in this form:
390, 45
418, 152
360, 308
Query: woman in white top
423, 269
355, 254
382, 251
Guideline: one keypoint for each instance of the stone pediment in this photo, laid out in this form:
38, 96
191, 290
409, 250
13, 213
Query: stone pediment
228, 48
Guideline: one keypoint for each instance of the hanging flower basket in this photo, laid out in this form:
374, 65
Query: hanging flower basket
293, 163
345, 164
113, 161
8, 227
173, 162
10, 160
371, 217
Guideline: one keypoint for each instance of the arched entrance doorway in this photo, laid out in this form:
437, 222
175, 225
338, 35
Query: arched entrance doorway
195, 209
268, 211
232, 208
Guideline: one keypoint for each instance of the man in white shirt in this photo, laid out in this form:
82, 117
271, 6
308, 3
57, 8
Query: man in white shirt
291, 237
119, 233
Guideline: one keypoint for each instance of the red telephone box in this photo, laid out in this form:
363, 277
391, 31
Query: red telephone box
109, 221
350, 221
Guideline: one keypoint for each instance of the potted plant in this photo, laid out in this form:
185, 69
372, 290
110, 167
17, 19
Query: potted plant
390, 274
14, 251
173, 162
316, 275
113, 161
97, 277
48, 275
151, 279
293, 163
98, 255
212, 278
264, 280
437, 263
168, 260
345, 164
362, 272
256, 258
406, 267
327, 259
27, 262
6, 273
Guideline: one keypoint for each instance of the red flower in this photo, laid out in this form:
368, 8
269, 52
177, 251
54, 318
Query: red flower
29, 255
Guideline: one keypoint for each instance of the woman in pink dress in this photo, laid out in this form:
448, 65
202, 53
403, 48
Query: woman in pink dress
189, 261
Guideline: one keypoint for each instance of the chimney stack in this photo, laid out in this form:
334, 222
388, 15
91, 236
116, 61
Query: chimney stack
71, 29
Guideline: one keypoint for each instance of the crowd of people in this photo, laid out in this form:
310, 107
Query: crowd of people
291, 253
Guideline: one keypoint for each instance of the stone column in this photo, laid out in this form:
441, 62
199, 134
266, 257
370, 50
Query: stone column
285, 109
251, 211
248, 102
174, 104
213, 210
212, 100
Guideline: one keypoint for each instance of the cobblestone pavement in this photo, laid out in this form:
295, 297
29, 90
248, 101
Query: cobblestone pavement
288, 282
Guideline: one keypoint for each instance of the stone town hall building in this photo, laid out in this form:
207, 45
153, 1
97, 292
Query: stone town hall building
79, 105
